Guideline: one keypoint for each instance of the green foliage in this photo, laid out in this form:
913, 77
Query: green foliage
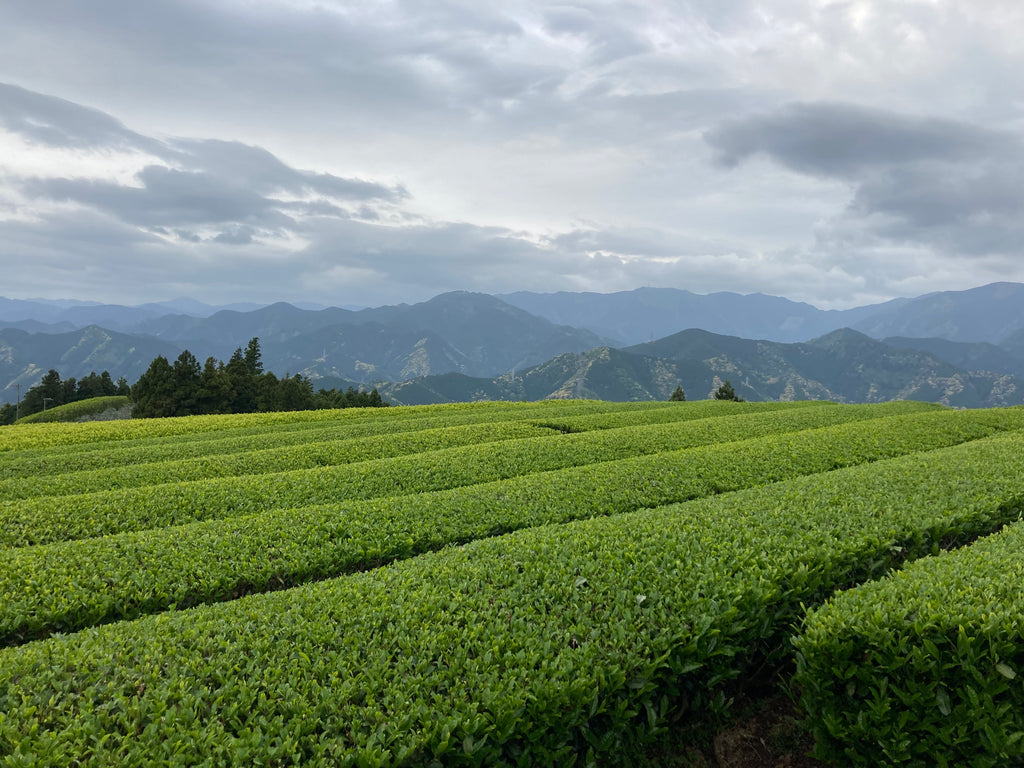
726, 392
41, 519
219, 559
252, 460
8, 414
350, 398
155, 394
559, 645
101, 436
501, 584
678, 396
923, 667
77, 409
241, 386
51, 392
148, 442
213, 390
253, 357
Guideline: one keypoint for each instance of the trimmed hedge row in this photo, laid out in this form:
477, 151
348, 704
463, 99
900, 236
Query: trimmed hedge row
29, 436
79, 408
33, 436
47, 519
576, 422
70, 585
559, 645
256, 462
217, 434
924, 667
30, 467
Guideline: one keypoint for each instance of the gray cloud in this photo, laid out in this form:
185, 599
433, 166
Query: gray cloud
576, 145
290, 55
257, 169
847, 140
950, 186
972, 210
183, 234
235, 236
648, 243
167, 197
369, 263
206, 182
59, 123
605, 37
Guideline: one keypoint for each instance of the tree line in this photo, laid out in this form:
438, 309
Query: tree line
51, 392
186, 388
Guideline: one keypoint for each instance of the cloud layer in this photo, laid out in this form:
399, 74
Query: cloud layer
359, 153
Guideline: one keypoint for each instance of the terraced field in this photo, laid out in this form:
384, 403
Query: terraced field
525, 584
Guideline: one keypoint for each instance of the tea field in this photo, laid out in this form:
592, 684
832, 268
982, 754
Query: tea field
510, 584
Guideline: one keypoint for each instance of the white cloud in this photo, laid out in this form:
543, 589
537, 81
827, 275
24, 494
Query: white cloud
354, 152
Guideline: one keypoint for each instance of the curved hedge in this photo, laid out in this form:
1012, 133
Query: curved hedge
127, 575
924, 667
558, 645
47, 519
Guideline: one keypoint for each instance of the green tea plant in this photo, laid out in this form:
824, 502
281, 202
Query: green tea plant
924, 667
46, 519
123, 576
558, 645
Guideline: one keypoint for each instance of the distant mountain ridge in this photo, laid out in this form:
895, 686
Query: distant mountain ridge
645, 314
578, 337
25, 357
112, 316
988, 313
844, 366
473, 334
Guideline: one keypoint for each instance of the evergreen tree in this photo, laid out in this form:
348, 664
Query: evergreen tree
95, 386
186, 384
296, 393
349, 398
46, 394
678, 396
253, 356
68, 389
243, 383
214, 392
269, 395
51, 392
154, 393
240, 386
726, 392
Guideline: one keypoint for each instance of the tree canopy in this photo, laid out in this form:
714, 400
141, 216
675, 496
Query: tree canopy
51, 391
239, 386
726, 392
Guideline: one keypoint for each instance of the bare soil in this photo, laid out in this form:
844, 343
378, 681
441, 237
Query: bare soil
766, 734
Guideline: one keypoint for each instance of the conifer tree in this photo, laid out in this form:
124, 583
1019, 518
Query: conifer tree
726, 392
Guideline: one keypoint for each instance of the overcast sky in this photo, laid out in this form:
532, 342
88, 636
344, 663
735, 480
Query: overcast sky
366, 152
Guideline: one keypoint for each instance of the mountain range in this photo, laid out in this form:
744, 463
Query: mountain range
844, 366
963, 348
985, 314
